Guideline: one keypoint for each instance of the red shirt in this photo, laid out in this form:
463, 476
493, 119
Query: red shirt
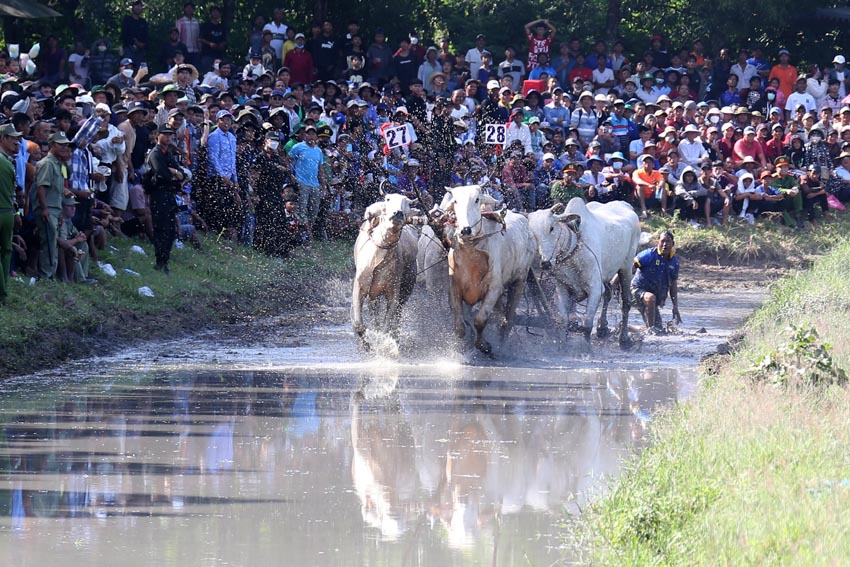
537, 45
300, 64
583, 72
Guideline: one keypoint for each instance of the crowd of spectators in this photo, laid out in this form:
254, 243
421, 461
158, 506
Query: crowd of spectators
291, 140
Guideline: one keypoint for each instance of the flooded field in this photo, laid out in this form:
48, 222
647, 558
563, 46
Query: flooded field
290, 447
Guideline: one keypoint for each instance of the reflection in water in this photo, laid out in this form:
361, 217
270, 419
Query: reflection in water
393, 468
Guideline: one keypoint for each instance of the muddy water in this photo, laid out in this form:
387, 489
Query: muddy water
292, 448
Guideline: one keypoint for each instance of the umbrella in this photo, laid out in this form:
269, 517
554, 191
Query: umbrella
26, 9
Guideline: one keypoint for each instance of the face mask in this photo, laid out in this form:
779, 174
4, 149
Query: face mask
414, 40
714, 119
771, 96
101, 48
671, 139
273, 145
127, 73
816, 139
348, 148
617, 165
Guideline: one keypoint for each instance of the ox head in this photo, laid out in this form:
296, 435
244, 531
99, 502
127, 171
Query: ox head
466, 203
392, 212
554, 231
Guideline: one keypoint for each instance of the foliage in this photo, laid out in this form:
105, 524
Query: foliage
773, 23
802, 361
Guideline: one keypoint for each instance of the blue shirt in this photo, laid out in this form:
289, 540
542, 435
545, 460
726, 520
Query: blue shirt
655, 273
537, 71
305, 163
221, 154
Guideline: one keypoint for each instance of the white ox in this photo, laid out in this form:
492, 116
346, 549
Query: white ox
487, 259
385, 261
585, 246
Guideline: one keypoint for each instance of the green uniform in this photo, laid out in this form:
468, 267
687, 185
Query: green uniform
562, 192
792, 203
51, 174
68, 231
7, 221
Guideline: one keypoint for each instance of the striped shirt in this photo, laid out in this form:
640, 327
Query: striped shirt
190, 33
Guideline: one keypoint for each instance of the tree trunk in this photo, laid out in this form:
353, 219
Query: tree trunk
612, 24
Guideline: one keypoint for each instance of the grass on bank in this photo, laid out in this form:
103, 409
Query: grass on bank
765, 243
748, 472
198, 278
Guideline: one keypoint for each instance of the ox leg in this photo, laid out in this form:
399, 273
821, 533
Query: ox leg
593, 299
456, 303
514, 295
393, 315
625, 284
357, 296
483, 316
602, 330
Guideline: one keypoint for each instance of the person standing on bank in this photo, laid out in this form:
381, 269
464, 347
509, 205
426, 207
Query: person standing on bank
306, 158
51, 182
656, 272
9, 141
163, 183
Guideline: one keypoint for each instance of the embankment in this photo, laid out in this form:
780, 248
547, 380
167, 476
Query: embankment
48, 323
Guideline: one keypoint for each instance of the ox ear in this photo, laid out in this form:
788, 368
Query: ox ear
448, 202
374, 210
573, 221
487, 199
558, 209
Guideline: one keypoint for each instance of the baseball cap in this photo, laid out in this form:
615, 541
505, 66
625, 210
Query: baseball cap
784, 52
548, 155
126, 61
749, 130
59, 138
839, 59
301, 35
491, 84
223, 114
9, 130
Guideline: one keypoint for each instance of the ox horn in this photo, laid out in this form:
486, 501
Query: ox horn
558, 209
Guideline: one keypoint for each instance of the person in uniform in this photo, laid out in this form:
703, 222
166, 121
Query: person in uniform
51, 182
656, 272
9, 146
164, 181
272, 176
74, 256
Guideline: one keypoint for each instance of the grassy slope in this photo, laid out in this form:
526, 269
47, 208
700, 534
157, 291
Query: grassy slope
48, 320
766, 243
746, 473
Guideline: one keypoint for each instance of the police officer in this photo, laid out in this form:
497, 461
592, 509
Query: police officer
9, 143
51, 181
163, 183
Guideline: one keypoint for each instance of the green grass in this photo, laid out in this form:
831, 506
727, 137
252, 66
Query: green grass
766, 242
199, 282
746, 472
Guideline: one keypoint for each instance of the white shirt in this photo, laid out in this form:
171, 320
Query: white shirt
602, 77
521, 133
278, 36
109, 151
744, 74
692, 153
796, 98
473, 57
79, 74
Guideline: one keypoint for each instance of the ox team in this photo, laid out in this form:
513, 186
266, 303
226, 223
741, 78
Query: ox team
481, 257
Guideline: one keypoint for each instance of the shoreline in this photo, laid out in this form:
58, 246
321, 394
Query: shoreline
748, 470
54, 323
